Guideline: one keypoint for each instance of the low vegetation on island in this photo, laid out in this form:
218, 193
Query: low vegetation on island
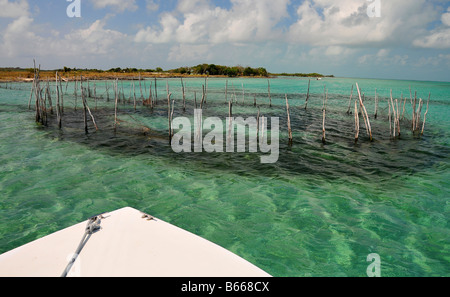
24, 74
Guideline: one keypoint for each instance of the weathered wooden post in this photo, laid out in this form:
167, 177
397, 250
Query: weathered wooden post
356, 122
364, 113
288, 120
350, 101
425, 115
307, 95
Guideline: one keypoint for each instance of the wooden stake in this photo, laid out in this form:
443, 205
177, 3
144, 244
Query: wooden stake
31, 94
44, 114
376, 104
140, 87
58, 108
171, 121
410, 94
156, 93
414, 112
195, 99
61, 93
364, 113
288, 120
404, 105
91, 115
234, 93
134, 95
203, 96
257, 125
107, 91
184, 96
226, 91
49, 98
230, 117
145, 91
123, 93
324, 108
95, 94
67, 84
150, 99
390, 121
307, 95
356, 122
268, 90
75, 87
206, 87
263, 118
425, 115
419, 112
323, 127
115, 106
350, 101
397, 118
168, 115
84, 107
393, 110
167, 86
37, 93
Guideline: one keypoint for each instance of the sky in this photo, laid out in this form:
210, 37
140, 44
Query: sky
391, 39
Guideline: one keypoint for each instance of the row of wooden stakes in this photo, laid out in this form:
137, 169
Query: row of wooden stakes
43, 98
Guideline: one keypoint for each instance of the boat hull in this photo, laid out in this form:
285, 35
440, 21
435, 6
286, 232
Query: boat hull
128, 244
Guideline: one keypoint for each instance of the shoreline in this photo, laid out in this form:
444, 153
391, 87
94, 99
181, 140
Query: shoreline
27, 75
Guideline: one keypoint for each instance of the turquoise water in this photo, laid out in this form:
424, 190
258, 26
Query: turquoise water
319, 211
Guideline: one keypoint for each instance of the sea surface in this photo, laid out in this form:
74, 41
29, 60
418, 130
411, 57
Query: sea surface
320, 210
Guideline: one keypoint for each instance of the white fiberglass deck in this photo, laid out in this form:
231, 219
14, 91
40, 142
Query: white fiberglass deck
127, 245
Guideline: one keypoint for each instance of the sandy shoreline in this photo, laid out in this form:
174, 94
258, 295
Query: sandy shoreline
27, 76
50, 75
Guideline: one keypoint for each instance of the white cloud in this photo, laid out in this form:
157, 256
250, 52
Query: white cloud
346, 23
169, 25
189, 52
325, 36
20, 39
446, 18
339, 51
94, 40
438, 38
383, 57
188, 6
198, 21
433, 61
151, 5
119, 5
13, 9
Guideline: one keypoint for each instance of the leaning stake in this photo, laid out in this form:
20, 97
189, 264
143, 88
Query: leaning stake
364, 112
288, 120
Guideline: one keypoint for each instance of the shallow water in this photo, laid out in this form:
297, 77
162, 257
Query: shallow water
319, 211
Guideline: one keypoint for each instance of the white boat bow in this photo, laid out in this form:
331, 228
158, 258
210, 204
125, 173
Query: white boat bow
124, 243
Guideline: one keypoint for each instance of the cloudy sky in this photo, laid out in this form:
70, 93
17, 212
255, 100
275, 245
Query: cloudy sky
410, 39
